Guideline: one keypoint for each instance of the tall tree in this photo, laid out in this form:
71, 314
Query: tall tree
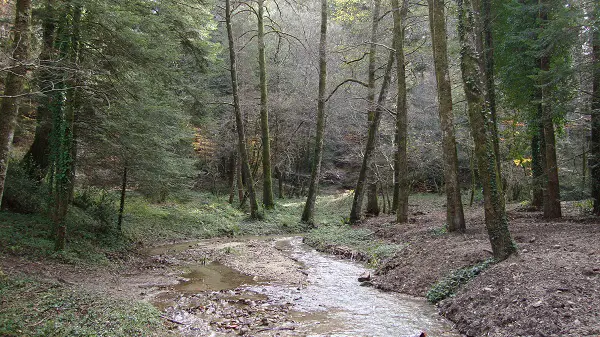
595, 136
308, 213
268, 200
14, 83
246, 173
401, 188
482, 127
357, 201
36, 160
454, 209
551, 187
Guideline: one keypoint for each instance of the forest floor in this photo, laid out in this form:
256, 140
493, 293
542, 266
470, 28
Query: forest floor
552, 288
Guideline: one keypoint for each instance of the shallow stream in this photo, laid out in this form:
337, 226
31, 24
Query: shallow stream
331, 303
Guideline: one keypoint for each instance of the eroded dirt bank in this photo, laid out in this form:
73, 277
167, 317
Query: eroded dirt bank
552, 288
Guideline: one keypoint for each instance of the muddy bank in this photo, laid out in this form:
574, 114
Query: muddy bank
552, 288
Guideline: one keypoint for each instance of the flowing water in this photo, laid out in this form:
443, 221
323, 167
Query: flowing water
331, 303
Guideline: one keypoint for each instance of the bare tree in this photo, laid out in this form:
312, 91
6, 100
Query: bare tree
308, 213
454, 210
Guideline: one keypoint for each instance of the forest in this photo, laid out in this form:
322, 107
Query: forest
231, 167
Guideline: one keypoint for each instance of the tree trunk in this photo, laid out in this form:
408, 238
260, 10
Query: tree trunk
537, 169
64, 132
356, 211
309, 207
372, 202
9, 109
247, 176
401, 188
595, 136
232, 175
37, 158
454, 212
122, 203
482, 130
268, 200
488, 63
373, 59
552, 197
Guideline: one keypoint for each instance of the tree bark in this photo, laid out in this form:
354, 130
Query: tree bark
482, 130
268, 199
232, 175
454, 211
552, 196
537, 168
37, 159
122, 202
595, 136
9, 109
356, 211
309, 207
401, 188
372, 202
373, 59
246, 174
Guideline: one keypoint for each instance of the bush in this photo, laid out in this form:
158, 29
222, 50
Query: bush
98, 203
449, 285
21, 193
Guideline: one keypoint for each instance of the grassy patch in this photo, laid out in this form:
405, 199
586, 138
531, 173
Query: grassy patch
33, 235
326, 238
449, 285
33, 308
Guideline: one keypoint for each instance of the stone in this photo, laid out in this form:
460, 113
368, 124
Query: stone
366, 276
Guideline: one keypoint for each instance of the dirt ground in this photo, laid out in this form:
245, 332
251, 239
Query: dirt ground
552, 288
160, 276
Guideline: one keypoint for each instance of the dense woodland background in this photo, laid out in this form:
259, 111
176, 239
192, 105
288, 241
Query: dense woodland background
137, 97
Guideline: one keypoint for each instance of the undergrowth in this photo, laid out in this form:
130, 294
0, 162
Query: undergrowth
449, 285
34, 308
326, 238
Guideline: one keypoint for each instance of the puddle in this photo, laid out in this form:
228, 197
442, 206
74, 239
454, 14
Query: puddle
213, 277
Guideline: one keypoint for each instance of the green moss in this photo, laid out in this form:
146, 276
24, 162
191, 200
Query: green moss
33, 308
449, 285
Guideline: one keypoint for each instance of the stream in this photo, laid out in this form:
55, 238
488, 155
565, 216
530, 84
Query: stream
212, 299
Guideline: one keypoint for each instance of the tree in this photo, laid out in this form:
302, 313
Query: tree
401, 187
268, 200
454, 210
246, 173
14, 83
308, 213
355, 212
595, 134
482, 127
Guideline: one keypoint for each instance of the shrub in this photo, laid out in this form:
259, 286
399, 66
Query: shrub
21, 193
449, 285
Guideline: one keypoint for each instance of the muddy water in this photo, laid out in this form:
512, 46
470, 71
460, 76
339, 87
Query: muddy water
331, 303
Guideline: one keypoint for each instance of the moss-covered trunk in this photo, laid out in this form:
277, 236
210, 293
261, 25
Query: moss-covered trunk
454, 209
245, 164
14, 85
482, 130
308, 213
595, 137
401, 187
268, 199
359, 191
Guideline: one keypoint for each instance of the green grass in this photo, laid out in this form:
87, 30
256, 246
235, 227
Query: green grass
34, 308
325, 238
32, 235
